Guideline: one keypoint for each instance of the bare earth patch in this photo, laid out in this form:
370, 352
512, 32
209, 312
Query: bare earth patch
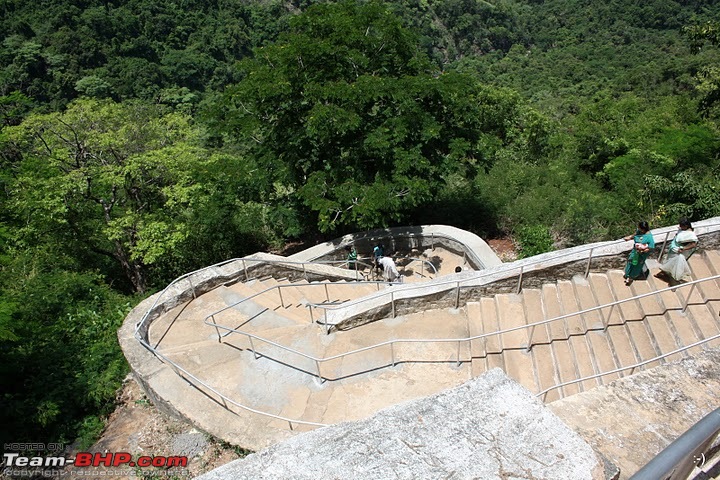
503, 248
140, 429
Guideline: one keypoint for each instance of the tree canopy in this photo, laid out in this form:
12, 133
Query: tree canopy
141, 140
346, 112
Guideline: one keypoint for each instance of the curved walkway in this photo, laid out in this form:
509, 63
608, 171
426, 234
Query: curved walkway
285, 384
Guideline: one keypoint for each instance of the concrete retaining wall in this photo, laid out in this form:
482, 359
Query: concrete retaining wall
536, 271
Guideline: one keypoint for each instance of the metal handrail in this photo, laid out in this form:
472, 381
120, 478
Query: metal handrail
476, 337
188, 276
178, 368
291, 285
359, 260
225, 398
629, 367
522, 269
678, 460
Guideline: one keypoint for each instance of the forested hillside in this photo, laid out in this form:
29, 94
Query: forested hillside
141, 140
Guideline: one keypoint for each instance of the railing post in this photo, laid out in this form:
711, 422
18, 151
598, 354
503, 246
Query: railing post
458, 353
216, 328
252, 347
317, 365
327, 295
687, 299
327, 325
245, 269
392, 353
457, 295
606, 319
520, 279
282, 302
530, 338
392, 302
662, 249
312, 317
587, 268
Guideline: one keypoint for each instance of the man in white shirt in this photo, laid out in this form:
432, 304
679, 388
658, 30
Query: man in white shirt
390, 271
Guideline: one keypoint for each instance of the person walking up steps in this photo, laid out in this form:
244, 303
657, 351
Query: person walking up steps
644, 243
682, 246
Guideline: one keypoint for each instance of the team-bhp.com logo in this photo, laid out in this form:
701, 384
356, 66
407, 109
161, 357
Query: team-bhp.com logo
20, 464
87, 459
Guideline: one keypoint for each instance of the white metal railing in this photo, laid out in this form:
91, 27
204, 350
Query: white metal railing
178, 369
189, 278
225, 400
462, 340
432, 235
632, 368
504, 272
311, 305
280, 287
679, 460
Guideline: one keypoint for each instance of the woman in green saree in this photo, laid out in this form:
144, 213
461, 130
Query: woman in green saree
644, 243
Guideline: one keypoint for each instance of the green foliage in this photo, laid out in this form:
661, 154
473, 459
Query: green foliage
347, 113
129, 50
125, 182
553, 122
534, 240
63, 366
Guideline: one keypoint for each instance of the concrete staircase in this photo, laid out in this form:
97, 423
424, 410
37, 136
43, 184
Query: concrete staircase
579, 346
277, 372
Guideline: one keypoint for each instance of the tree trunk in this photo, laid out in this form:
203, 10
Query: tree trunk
133, 270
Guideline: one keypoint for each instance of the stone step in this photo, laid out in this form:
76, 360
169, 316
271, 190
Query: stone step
620, 335
347, 291
576, 329
260, 299
542, 355
705, 316
478, 352
700, 269
561, 352
518, 361
184, 324
599, 350
653, 307
493, 343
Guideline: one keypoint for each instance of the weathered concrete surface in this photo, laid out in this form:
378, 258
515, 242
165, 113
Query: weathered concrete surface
503, 278
488, 428
478, 252
634, 418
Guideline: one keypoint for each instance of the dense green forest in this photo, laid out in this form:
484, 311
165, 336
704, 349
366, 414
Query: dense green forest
141, 140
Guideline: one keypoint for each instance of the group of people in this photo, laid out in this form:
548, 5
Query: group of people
675, 266
381, 263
